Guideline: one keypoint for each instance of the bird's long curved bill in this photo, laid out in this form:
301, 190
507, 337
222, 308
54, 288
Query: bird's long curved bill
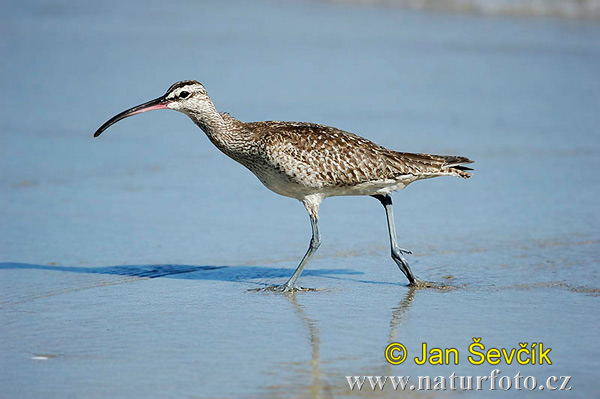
157, 103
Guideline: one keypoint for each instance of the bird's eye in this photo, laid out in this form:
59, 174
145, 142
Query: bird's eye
184, 94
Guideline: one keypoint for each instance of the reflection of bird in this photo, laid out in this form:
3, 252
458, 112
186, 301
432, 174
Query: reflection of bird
317, 387
307, 161
399, 311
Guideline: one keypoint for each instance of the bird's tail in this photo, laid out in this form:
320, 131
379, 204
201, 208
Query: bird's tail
456, 164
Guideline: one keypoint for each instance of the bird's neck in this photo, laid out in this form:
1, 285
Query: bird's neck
222, 130
210, 121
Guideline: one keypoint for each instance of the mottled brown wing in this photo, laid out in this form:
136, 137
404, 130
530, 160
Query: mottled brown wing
319, 155
427, 165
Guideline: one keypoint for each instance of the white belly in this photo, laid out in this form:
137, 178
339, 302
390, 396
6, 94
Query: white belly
282, 184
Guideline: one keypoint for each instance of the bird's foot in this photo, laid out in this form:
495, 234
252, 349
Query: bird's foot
284, 288
418, 284
277, 288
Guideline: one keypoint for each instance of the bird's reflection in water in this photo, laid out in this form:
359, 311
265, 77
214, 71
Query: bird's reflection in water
399, 311
316, 389
332, 383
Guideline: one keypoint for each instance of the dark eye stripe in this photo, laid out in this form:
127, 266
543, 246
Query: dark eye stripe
181, 84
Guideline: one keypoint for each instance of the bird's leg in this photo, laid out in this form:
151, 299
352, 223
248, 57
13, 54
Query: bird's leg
397, 252
315, 242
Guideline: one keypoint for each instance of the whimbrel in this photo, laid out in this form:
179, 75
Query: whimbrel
307, 161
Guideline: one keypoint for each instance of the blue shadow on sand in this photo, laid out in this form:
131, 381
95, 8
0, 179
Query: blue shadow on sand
222, 273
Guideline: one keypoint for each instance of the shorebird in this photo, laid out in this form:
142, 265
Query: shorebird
307, 161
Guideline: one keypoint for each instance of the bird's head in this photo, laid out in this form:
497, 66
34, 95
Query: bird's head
188, 96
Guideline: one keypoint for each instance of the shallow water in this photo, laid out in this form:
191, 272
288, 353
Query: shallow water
128, 263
